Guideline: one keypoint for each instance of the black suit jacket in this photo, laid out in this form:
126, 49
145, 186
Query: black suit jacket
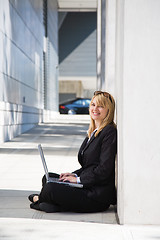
97, 160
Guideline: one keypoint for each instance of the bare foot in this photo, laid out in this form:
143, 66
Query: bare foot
35, 198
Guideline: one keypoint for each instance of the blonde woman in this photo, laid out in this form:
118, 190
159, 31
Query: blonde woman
97, 173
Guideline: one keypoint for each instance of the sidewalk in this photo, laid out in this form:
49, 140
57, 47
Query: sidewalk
20, 175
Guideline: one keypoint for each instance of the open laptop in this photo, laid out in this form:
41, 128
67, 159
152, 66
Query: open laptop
51, 179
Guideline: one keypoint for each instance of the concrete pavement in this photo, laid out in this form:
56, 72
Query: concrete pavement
20, 174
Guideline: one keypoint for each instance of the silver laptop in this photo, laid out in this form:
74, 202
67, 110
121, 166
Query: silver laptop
51, 179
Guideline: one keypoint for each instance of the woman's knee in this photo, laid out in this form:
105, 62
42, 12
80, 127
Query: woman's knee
46, 194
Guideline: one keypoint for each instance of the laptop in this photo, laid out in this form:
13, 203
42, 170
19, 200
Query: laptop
51, 179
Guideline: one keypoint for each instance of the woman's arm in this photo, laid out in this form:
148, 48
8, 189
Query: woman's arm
78, 172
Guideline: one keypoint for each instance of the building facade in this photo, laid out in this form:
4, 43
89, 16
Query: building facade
77, 54
28, 64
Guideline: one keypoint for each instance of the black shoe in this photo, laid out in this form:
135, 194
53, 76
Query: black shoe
35, 205
49, 208
30, 197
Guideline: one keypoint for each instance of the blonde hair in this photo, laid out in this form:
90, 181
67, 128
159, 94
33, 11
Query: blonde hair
104, 101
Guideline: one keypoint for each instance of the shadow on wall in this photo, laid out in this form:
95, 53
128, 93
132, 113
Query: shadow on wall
17, 119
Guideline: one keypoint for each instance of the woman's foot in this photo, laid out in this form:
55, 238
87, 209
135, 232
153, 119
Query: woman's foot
35, 205
33, 198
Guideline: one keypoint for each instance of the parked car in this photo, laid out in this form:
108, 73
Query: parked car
76, 106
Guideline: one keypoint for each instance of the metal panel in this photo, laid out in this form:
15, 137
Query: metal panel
77, 45
92, 4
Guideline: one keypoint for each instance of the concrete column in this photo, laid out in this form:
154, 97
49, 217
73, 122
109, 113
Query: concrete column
103, 43
99, 44
110, 30
138, 111
119, 106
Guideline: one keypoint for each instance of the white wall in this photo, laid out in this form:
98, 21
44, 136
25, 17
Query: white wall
22, 66
110, 46
21, 75
52, 92
138, 111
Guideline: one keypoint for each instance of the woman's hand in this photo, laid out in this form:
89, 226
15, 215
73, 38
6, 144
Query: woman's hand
68, 177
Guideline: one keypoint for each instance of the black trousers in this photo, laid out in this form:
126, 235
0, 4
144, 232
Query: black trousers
68, 198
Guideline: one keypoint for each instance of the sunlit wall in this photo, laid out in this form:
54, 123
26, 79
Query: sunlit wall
138, 112
22, 65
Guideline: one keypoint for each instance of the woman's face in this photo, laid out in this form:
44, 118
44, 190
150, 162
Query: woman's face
97, 112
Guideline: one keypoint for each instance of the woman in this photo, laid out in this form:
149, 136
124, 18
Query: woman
97, 173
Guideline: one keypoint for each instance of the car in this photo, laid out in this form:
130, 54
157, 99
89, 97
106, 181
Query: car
75, 106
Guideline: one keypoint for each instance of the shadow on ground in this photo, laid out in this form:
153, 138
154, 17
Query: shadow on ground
15, 204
